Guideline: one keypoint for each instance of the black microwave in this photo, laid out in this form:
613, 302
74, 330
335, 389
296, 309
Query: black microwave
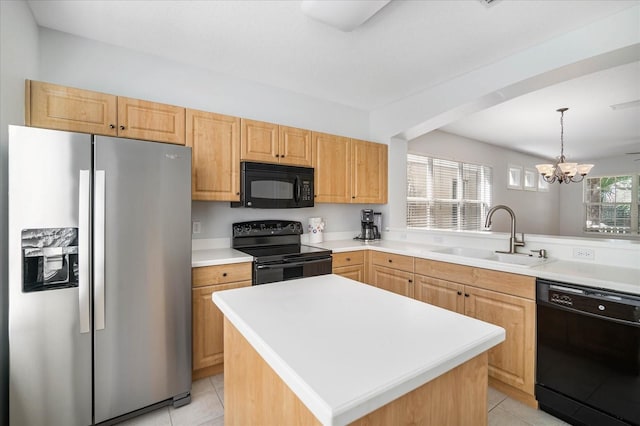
274, 186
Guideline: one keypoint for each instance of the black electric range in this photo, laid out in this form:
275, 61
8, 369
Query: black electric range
277, 251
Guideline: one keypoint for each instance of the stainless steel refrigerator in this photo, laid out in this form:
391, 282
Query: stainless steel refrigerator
99, 276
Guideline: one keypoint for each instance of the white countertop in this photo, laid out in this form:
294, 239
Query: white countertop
588, 274
346, 348
218, 256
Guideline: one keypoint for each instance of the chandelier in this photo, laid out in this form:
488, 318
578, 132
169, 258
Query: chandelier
563, 172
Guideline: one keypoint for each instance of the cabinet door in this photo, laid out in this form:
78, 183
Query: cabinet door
444, 294
394, 280
208, 348
512, 361
259, 141
215, 161
355, 272
332, 163
138, 119
295, 146
369, 172
64, 108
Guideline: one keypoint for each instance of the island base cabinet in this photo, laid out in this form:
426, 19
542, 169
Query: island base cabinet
256, 395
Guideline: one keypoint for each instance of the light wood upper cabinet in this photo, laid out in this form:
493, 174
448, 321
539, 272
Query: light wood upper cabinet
295, 146
332, 163
259, 141
215, 163
271, 143
138, 119
349, 170
369, 172
76, 110
65, 108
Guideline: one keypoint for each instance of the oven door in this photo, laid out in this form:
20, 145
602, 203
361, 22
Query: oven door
272, 186
264, 273
588, 366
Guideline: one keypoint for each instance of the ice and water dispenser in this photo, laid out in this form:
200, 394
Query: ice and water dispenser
49, 259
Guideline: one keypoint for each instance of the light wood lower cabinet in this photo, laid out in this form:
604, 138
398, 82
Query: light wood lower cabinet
392, 272
444, 294
499, 298
512, 362
207, 320
349, 264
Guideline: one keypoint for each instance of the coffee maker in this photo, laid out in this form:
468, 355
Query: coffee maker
370, 223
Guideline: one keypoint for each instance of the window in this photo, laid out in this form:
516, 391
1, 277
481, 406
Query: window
445, 194
612, 204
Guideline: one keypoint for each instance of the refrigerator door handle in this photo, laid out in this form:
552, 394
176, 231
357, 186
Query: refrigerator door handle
83, 251
98, 249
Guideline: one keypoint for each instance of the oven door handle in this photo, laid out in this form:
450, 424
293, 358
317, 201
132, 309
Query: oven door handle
288, 265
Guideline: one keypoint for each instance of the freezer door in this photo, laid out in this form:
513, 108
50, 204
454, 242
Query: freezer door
49, 329
143, 282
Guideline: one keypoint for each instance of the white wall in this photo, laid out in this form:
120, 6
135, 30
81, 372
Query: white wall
536, 212
572, 212
78, 62
18, 60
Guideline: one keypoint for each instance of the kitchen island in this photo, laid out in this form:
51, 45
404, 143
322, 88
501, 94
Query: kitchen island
329, 350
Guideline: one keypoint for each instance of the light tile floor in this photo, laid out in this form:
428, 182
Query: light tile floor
207, 399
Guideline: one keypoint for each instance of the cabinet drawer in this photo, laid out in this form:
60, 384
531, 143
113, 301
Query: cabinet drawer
348, 258
395, 261
219, 274
354, 272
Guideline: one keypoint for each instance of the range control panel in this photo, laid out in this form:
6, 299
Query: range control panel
266, 228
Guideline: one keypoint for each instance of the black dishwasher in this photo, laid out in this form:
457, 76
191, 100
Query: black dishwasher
588, 354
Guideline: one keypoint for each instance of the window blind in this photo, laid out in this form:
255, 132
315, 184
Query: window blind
444, 194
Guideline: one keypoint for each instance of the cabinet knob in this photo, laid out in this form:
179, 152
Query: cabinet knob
348, 259
112, 126
237, 193
459, 293
353, 197
466, 295
121, 127
390, 261
224, 274
410, 281
277, 155
282, 156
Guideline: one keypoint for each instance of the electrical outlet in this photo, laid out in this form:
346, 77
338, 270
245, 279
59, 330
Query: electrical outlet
196, 228
583, 253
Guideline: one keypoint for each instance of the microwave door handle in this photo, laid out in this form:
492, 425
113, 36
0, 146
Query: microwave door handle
297, 190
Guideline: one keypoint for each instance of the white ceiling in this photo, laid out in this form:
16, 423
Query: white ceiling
405, 48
